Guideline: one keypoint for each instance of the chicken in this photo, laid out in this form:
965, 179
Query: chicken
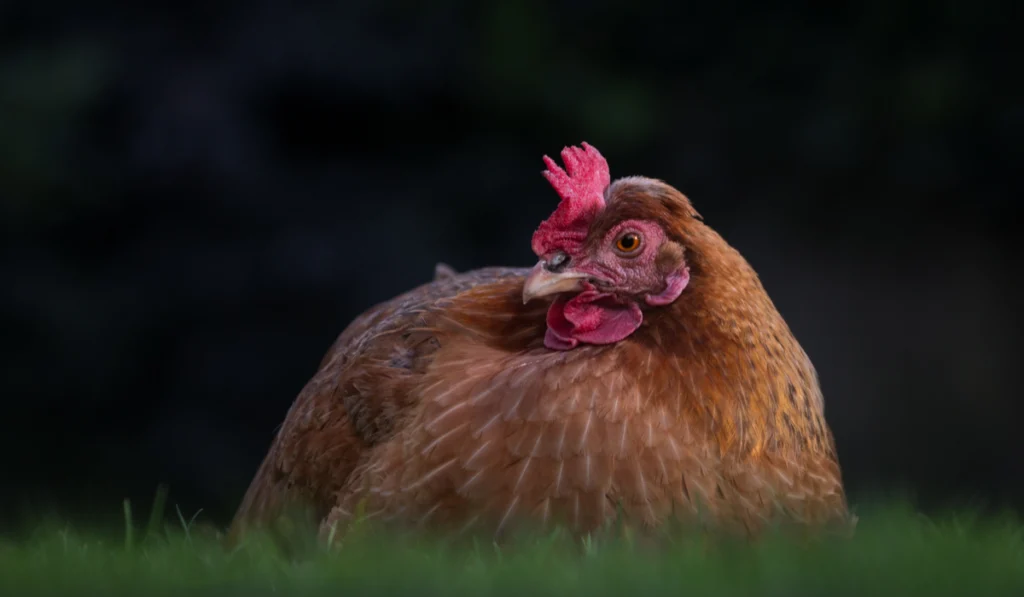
639, 369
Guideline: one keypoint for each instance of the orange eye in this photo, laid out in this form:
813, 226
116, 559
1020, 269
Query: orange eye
628, 242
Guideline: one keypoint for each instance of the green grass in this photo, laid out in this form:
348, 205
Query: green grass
894, 552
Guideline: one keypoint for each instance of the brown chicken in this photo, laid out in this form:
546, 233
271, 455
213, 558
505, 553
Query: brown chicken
639, 369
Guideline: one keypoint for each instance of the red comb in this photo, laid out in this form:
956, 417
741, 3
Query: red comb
581, 186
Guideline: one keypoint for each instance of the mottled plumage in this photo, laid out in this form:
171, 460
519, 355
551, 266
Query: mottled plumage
444, 407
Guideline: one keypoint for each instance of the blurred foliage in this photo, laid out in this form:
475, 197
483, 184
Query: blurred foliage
44, 93
531, 73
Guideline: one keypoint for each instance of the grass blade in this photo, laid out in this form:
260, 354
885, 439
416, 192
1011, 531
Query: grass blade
156, 513
129, 532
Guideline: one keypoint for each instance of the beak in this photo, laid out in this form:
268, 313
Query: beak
542, 282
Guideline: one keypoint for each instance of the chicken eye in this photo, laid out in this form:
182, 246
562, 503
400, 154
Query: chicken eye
628, 242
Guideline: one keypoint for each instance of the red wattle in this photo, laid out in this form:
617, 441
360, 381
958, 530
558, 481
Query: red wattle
591, 317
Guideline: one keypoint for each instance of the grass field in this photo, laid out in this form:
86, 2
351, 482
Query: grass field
894, 552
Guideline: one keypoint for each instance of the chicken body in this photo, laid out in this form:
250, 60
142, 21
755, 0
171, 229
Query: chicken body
447, 408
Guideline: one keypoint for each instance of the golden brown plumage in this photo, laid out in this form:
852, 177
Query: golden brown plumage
446, 408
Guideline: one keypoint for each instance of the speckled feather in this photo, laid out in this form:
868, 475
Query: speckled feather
442, 407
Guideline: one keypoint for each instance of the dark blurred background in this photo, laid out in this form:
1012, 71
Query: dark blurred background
196, 198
